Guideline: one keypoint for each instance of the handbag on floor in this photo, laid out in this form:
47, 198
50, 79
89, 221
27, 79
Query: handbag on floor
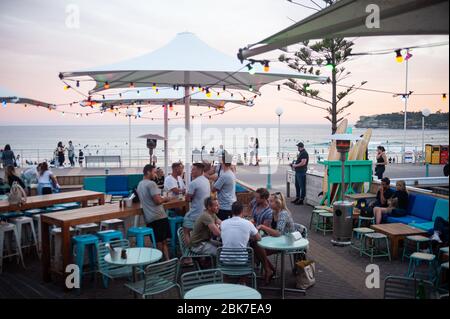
306, 274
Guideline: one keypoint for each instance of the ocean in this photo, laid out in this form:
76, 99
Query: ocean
37, 143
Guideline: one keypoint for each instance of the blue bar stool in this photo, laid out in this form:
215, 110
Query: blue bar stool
418, 258
175, 223
108, 235
140, 233
81, 242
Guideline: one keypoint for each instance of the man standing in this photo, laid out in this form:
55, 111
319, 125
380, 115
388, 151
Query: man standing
71, 154
300, 166
225, 186
251, 150
174, 183
154, 214
199, 189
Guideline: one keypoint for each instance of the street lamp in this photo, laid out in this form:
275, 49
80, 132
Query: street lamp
425, 113
279, 111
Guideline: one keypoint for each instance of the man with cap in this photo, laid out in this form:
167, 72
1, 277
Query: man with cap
300, 166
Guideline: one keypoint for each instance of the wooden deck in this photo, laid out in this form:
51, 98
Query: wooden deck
340, 273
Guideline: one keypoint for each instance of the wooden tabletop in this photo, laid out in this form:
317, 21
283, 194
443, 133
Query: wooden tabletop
397, 229
52, 199
361, 196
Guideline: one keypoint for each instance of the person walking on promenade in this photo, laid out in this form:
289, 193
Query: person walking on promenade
382, 161
257, 151
8, 157
251, 150
71, 154
80, 158
60, 154
300, 166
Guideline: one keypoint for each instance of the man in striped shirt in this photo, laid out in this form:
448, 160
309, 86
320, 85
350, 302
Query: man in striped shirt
260, 209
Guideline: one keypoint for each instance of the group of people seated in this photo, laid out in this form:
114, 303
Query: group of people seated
395, 203
216, 218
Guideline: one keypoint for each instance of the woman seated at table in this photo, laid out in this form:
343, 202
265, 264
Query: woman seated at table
398, 204
11, 177
282, 223
46, 180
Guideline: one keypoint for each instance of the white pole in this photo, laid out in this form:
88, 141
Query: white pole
166, 140
129, 140
406, 108
423, 136
187, 124
279, 138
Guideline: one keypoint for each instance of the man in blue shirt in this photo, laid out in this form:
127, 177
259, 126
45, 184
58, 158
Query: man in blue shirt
300, 166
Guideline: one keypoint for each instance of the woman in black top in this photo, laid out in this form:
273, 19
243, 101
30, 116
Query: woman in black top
60, 152
398, 204
380, 165
11, 177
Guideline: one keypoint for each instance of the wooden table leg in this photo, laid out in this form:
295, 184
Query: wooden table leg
45, 235
394, 246
84, 203
65, 232
101, 200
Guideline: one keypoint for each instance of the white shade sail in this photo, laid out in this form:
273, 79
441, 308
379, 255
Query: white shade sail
184, 61
347, 18
12, 97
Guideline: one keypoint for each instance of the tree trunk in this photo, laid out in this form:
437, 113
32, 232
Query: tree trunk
333, 93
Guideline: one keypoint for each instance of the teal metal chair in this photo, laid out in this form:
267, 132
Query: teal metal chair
359, 240
109, 235
109, 271
236, 262
191, 280
186, 252
325, 223
175, 222
81, 243
365, 221
396, 287
315, 217
418, 242
158, 278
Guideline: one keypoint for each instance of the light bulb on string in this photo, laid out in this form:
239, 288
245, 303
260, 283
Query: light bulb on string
329, 65
398, 56
171, 106
208, 93
278, 87
154, 86
62, 114
224, 88
78, 84
266, 66
408, 56
106, 86
192, 88
251, 69
444, 97
131, 85
157, 91
66, 87
218, 93
250, 88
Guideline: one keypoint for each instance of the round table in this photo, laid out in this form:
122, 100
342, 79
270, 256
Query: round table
222, 291
284, 245
135, 257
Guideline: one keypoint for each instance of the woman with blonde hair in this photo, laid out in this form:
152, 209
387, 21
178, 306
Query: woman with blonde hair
398, 204
282, 223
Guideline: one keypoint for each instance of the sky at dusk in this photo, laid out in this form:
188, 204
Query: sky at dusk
37, 44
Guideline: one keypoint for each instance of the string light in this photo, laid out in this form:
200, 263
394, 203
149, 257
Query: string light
224, 88
208, 93
250, 88
218, 93
78, 84
154, 86
106, 86
398, 56
66, 87
444, 97
266, 66
131, 85
408, 56
251, 70
171, 106
157, 91
329, 64
139, 112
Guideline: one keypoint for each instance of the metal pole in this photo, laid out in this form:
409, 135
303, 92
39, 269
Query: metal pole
423, 137
166, 140
129, 140
342, 175
279, 138
406, 108
187, 124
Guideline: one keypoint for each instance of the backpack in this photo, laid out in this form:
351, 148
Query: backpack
17, 195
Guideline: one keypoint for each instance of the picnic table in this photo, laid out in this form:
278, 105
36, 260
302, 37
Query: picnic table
39, 201
397, 232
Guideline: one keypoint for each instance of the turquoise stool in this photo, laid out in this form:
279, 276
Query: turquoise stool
370, 220
418, 240
8, 215
373, 248
54, 209
108, 235
140, 233
82, 242
174, 222
315, 217
32, 212
443, 267
358, 243
325, 223
416, 259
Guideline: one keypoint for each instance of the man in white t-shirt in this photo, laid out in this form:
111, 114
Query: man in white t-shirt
237, 231
173, 183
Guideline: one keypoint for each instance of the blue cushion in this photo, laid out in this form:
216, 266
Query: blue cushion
240, 189
117, 183
411, 201
441, 209
424, 226
423, 207
95, 183
406, 219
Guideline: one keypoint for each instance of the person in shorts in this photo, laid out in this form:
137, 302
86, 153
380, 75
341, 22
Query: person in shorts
154, 214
